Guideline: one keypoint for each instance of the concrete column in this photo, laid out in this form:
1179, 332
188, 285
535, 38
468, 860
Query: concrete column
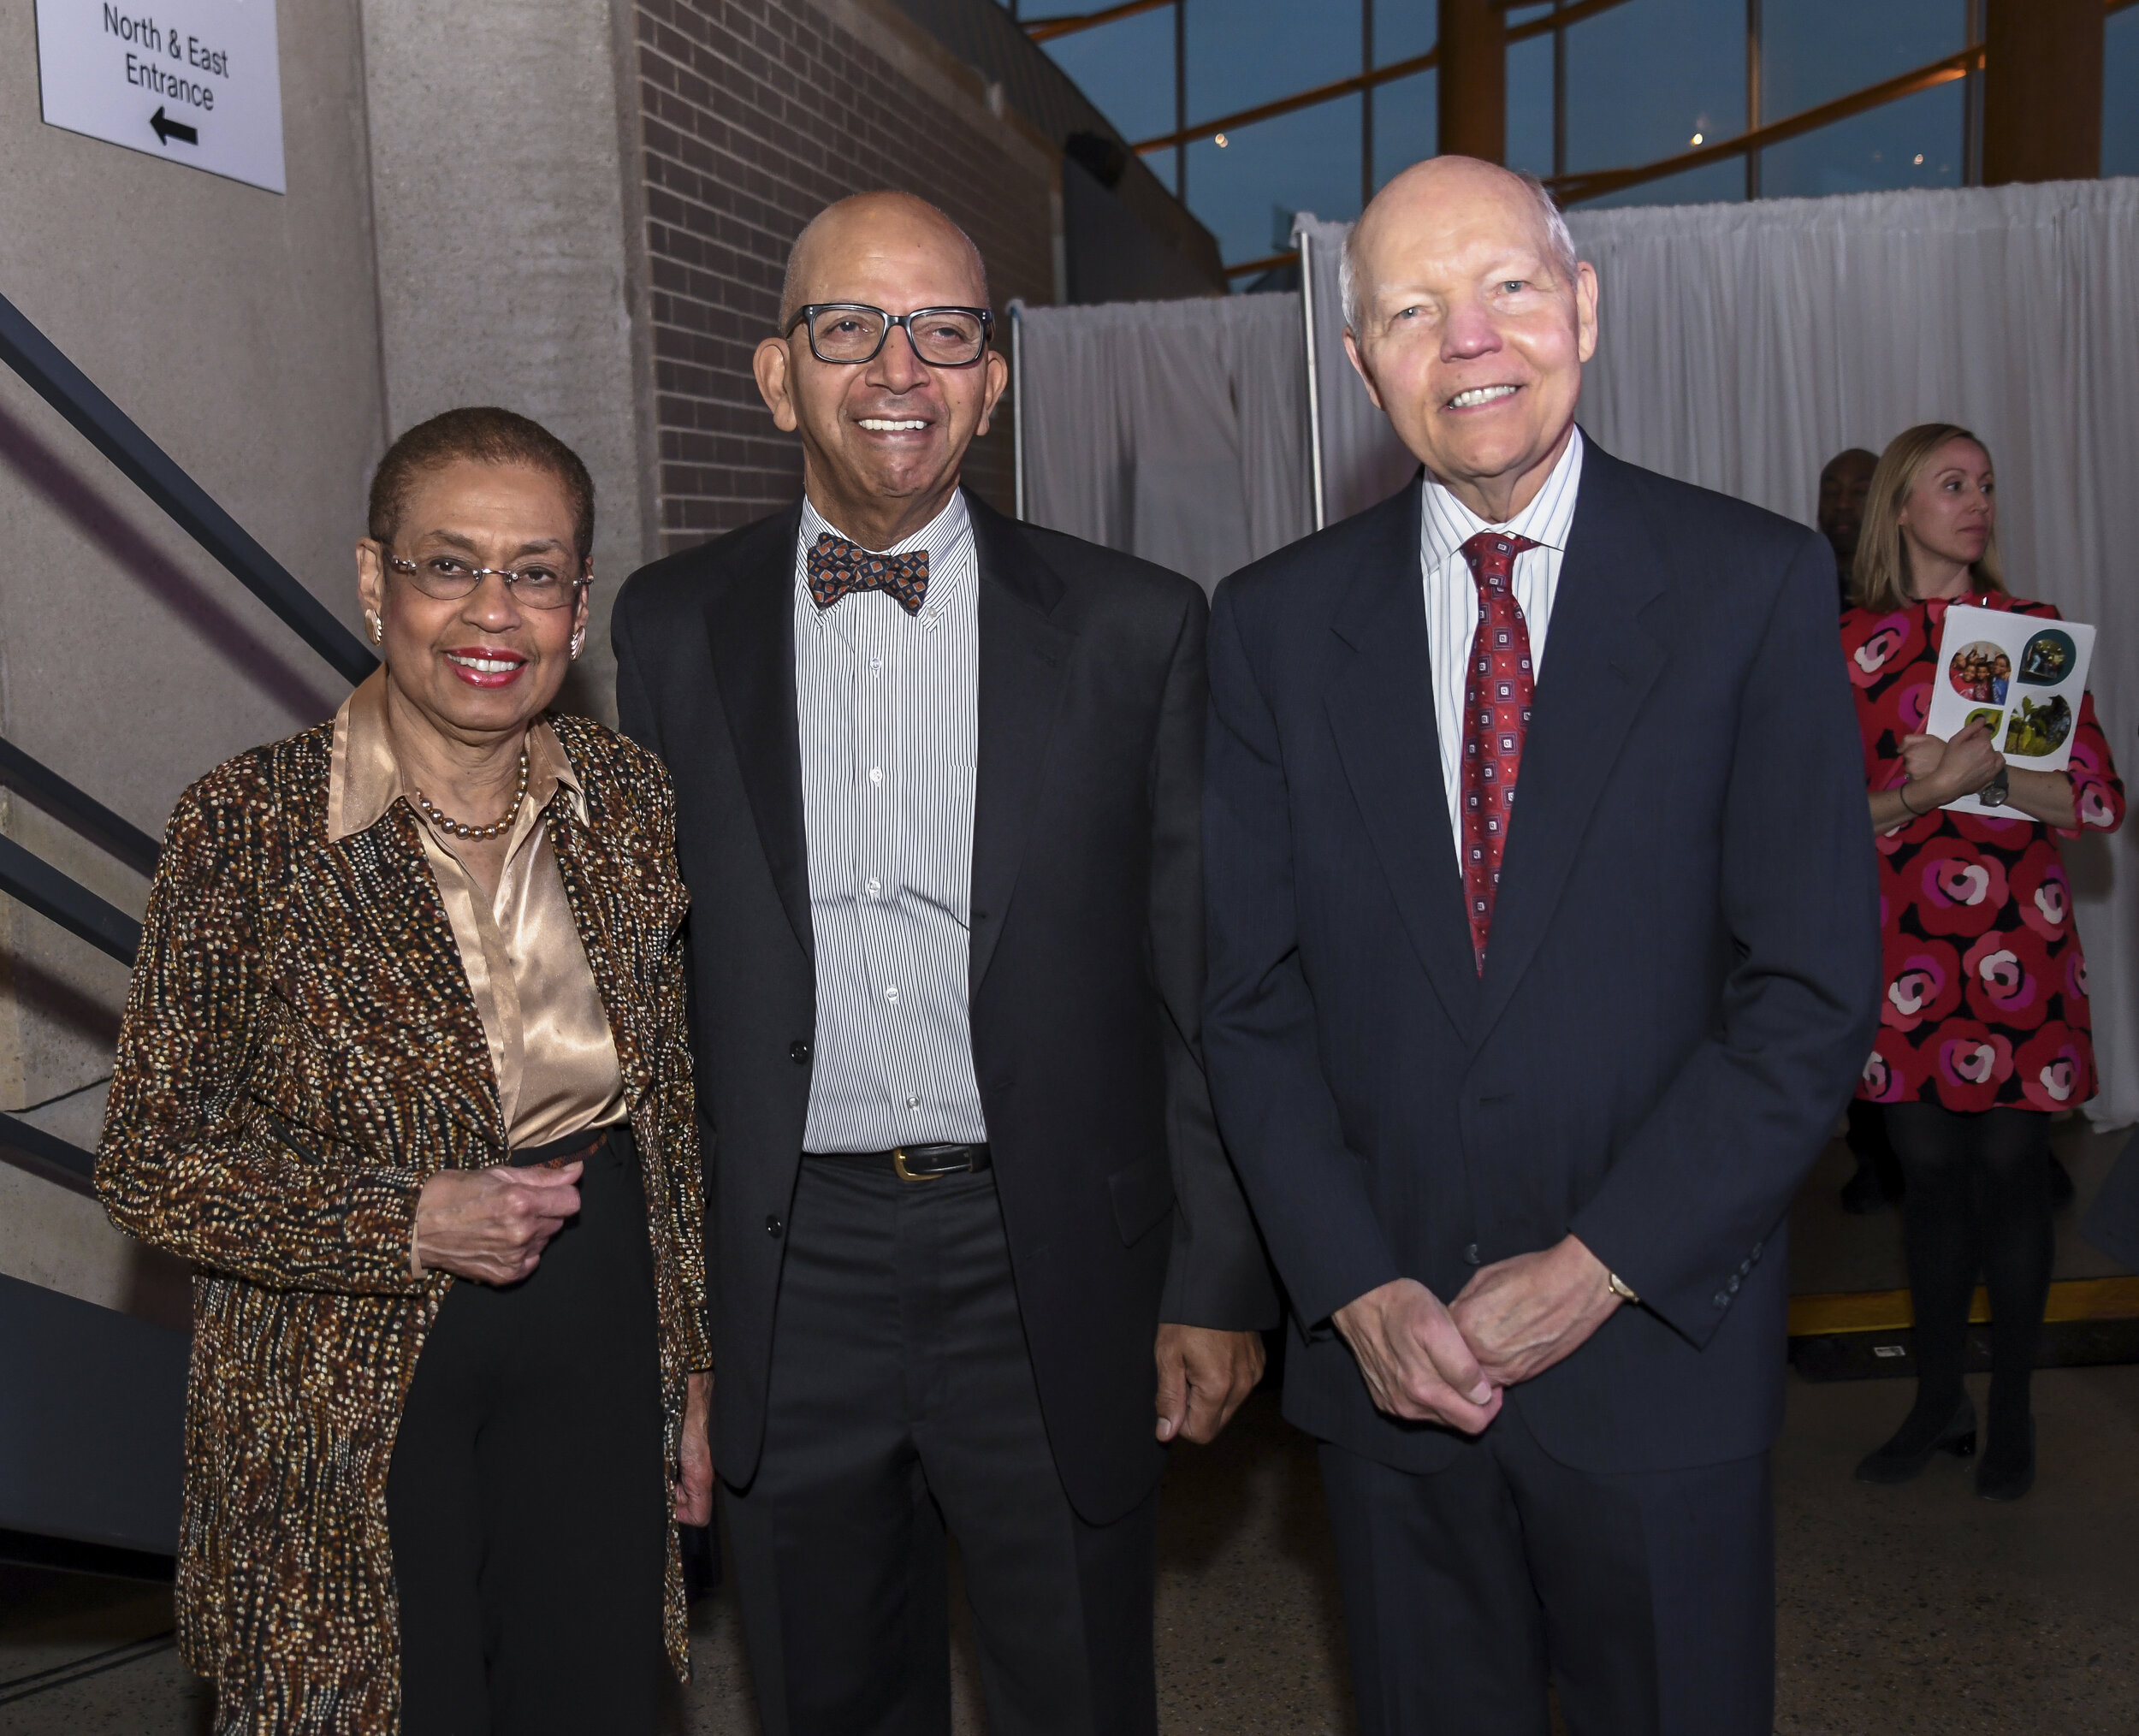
510, 247
1473, 80
2042, 90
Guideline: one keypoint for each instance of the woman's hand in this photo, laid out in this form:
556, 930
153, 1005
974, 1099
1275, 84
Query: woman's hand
694, 1478
492, 1225
1939, 770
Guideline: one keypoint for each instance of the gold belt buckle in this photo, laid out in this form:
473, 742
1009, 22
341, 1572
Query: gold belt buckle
898, 1166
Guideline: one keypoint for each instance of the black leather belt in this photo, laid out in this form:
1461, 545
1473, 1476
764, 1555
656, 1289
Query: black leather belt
919, 1163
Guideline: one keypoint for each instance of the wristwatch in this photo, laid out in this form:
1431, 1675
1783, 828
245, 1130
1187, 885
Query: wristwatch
1995, 793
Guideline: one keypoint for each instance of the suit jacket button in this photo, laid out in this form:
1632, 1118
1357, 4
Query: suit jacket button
798, 1053
1723, 1300
1470, 1254
772, 1225
1732, 1287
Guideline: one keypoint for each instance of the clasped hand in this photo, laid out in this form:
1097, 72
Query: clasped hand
492, 1224
1942, 771
1429, 1362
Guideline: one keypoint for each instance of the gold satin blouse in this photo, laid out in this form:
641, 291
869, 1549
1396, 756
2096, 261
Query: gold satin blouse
550, 1043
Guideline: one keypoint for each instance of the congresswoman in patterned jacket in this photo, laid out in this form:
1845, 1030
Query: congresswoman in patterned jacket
404, 1073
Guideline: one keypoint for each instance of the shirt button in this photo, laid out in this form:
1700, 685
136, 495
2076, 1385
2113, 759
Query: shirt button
798, 1053
772, 1225
890, 993
876, 775
1470, 1254
876, 662
913, 1103
876, 888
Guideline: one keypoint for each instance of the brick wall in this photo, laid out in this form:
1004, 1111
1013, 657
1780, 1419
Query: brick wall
754, 114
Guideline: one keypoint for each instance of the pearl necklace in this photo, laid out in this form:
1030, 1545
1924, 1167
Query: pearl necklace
446, 822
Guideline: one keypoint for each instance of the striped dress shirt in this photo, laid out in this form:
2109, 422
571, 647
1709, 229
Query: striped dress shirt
888, 707
1453, 608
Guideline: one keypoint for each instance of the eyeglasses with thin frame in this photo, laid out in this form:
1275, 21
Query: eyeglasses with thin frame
448, 577
850, 333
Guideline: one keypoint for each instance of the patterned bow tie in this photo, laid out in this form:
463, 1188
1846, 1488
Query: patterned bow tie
838, 567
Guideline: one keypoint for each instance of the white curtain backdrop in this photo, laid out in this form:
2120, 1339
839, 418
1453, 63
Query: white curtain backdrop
1175, 430
1362, 460
1743, 346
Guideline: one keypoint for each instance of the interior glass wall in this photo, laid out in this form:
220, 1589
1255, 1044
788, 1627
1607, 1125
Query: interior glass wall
2120, 93
1126, 69
1245, 190
1653, 78
1633, 85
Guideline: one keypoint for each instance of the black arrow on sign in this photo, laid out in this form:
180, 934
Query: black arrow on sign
168, 130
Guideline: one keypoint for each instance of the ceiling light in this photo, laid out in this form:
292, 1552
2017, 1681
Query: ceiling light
1919, 156
1220, 142
1696, 137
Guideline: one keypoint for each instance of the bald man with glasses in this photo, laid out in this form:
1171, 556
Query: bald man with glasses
975, 1253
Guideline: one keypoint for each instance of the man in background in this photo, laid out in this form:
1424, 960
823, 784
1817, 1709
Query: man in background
1844, 484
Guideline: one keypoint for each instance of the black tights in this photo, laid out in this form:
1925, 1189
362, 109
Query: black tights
1978, 1201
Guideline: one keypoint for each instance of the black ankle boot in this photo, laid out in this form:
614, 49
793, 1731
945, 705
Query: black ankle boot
2006, 1470
1923, 1433
1871, 1189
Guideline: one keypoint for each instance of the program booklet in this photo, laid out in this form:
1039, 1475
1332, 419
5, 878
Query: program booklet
2021, 675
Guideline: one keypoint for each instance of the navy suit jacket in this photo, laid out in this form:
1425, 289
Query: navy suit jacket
1681, 984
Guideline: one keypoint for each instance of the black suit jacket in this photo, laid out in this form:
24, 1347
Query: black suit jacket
1681, 984
1087, 960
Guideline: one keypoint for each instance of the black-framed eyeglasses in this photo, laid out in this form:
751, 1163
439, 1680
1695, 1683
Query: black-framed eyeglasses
449, 578
851, 332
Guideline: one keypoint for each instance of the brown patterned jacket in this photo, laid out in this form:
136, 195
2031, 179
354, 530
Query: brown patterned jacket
300, 1050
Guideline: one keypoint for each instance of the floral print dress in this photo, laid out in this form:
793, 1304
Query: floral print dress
1986, 987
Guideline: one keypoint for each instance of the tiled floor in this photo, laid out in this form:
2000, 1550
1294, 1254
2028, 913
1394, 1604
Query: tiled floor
1917, 1609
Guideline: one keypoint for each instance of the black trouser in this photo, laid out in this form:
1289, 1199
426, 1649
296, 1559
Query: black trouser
901, 1400
527, 1500
1647, 1598
1978, 1202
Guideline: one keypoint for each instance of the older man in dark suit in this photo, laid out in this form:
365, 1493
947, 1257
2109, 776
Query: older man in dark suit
1521, 1089
938, 779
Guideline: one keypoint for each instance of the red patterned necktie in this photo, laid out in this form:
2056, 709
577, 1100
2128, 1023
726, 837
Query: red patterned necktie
838, 567
1496, 717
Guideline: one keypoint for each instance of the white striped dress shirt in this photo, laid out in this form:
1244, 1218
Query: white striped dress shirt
888, 706
1453, 608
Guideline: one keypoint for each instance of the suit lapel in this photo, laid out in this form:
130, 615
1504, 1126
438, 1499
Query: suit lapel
1024, 661
750, 630
1599, 664
1380, 708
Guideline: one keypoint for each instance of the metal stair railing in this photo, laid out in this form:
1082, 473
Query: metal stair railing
145, 464
26, 876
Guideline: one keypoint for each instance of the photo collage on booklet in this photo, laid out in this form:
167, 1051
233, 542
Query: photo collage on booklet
2021, 676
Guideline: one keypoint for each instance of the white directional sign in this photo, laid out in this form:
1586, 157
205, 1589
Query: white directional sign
195, 80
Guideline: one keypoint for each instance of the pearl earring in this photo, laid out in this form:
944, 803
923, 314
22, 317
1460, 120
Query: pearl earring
375, 626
